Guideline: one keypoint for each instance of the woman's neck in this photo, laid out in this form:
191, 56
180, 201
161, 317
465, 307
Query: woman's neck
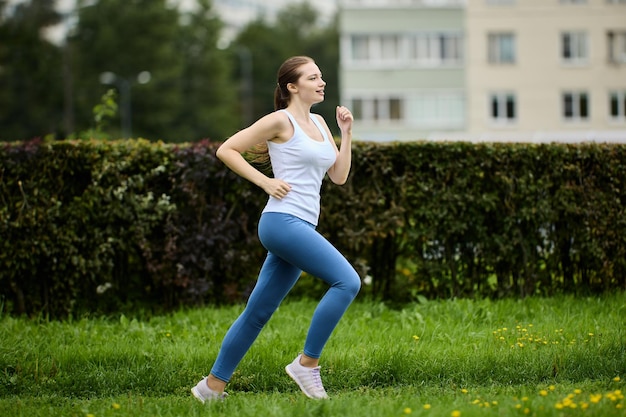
299, 110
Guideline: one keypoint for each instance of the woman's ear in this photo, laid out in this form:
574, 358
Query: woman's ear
292, 88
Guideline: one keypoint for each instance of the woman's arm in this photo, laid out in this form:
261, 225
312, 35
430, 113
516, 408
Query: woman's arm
340, 170
230, 152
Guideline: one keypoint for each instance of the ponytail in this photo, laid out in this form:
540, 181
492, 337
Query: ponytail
281, 98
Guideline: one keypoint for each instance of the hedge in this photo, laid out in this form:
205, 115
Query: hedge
99, 226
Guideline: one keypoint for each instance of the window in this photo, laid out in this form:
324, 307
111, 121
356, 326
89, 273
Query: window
617, 46
378, 109
575, 106
390, 47
501, 48
445, 109
573, 1
574, 47
503, 108
405, 49
360, 48
500, 1
617, 105
435, 48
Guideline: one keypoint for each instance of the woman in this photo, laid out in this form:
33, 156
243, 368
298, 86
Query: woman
301, 151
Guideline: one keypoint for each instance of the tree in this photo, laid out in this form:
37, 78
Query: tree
186, 97
297, 31
208, 108
30, 72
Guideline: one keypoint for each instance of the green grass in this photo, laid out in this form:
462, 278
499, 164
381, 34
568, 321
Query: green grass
537, 356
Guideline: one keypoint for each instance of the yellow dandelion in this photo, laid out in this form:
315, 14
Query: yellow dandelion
526, 410
407, 410
551, 387
416, 337
595, 398
578, 391
619, 406
456, 413
543, 392
427, 406
616, 379
558, 406
464, 391
116, 406
518, 406
476, 401
90, 415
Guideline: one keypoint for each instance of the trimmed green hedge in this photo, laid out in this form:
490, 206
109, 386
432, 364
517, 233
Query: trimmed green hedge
103, 226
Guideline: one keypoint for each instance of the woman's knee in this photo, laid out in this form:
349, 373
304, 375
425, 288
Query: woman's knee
352, 284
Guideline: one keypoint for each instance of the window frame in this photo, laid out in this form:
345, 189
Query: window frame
616, 45
620, 98
578, 98
501, 99
496, 48
378, 108
578, 47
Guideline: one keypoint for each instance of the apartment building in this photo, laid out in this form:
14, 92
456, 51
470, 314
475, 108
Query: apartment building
496, 70
402, 67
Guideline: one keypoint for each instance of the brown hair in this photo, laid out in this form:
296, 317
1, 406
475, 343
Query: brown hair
287, 73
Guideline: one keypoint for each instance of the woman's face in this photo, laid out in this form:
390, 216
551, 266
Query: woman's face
310, 85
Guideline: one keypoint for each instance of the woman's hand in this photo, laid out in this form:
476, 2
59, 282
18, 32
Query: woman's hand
277, 188
344, 119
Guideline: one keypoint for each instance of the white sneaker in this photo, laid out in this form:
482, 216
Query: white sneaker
203, 393
308, 379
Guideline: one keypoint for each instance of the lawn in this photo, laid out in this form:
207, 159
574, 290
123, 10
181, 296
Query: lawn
561, 356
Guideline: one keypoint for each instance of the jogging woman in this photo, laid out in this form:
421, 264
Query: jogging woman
301, 152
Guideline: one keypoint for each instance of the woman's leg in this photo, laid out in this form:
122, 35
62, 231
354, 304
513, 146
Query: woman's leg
302, 246
276, 279
293, 246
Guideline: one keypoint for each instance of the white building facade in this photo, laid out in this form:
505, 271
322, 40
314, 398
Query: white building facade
495, 70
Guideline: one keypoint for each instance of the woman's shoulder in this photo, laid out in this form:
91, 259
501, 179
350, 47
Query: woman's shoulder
278, 122
277, 119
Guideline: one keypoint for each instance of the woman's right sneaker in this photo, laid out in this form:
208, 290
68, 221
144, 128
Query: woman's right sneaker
308, 379
203, 393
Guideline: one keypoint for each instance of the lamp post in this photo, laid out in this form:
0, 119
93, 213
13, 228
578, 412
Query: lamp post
124, 86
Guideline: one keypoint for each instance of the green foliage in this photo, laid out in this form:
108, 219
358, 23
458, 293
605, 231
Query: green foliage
102, 113
31, 72
109, 225
297, 31
462, 219
445, 354
49, 90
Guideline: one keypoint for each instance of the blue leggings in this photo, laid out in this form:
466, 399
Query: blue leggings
293, 246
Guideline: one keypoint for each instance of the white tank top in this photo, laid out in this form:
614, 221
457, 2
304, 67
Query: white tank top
302, 163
